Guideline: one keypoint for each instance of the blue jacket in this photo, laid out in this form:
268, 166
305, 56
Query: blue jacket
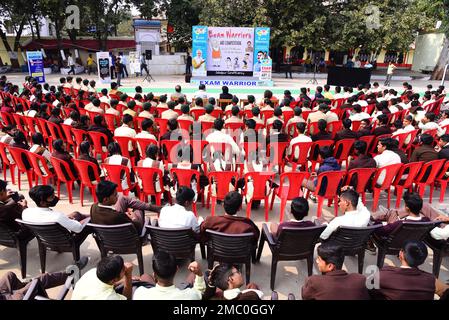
329, 164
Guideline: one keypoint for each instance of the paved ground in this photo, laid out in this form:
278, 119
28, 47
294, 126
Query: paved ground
290, 275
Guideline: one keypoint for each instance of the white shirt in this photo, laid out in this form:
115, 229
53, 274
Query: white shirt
56, 102
221, 137
125, 131
70, 61
444, 122
145, 135
172, 293
201, 94
430, 126
357, 218
297, 139
176, 216
89, 287
105, 99
68, 121
386, 158
47, 215
407, 128
359, 116
440, 233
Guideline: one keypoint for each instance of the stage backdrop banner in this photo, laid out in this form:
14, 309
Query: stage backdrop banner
104, 70
230, 51
199, 50
36, 65
261, 48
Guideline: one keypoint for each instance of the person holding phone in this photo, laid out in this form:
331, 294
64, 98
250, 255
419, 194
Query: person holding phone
11, 206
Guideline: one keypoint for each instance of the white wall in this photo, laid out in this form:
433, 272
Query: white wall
167, 64
427, 51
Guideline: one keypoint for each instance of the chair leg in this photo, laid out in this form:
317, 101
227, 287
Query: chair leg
30, 177
376, 193
432, 186
320, 206
203, 250
42, 256
69, 186
437, 258
336, 206
361, 258
19, 176
261, 244
272, 200
274, 265
11, 170
380, 257
248, 270
267, 207
82, 193
213, 205
399, 191
310, 264
389, 198
194, 209
248, 208
283, 204
443, 190
140, 260
23, 257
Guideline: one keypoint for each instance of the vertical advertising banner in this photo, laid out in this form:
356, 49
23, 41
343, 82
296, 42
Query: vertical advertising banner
261, 48
266, 69
36, 65
230, 51
104, 70
199, 50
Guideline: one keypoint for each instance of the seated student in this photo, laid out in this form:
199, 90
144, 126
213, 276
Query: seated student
408, 282
179, 215
11, 207
39, 146
413, 206
385, 157
146, 111
399, 152
43, 112
85, 154
115, 157
98, 283
229, 279
277, 115
235, 116
11, 288
383, 126
170, 113
44, 197
334, 283
185, 109
56, 116
164, 271
355, 214
365, 128
255, 111
151, 161
229, 222
301, 137
363, 160
276, 134
59, 152
425, 152
8, 134
100, 126
428, 123
443, 147
113, 109
322, 133
130, 109
173, 133
112, 209
299, 210
207, 117
346, 132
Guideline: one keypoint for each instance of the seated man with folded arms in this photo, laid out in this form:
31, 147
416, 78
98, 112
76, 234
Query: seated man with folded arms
299, 210
408, 282
229, 279
112, 209
164, 271
179, 214
334, 283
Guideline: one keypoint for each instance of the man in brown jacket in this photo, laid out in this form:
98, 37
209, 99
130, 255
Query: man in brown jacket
425, 152
334, 283
112, 210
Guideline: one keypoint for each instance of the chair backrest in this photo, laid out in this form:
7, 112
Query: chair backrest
276, 152
333, 178
403, 137
434, 167
115, 172
55, 131
51, 235
315, 148
60, 166
8, 237
20, 157
125, 143
230, 248
196, 113
7, 118
179, 242
303, 149
223, 180
39, 164
408, 231
162, 124
297, 242
112, 121
97, 140
343, 148
259, 180
413, 169
294, 182
369, 141
352, 239
333, 127
442, 174
67, 129
169, 150
148, 178
120, 238
390, 173
83, 167
3, 155
287, 114
184, 176
362, 175
142, 144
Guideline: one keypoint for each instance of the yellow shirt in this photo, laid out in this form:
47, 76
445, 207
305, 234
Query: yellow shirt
90, 61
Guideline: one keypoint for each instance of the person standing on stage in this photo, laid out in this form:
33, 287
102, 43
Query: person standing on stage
188, 64
288, 66
143, 64
390, 71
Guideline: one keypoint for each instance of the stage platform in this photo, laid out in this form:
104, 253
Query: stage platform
235, 81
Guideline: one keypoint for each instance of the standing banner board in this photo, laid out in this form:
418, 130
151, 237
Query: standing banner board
104, 70
199, 50
261, 48
36, 65
266, 69
134, 63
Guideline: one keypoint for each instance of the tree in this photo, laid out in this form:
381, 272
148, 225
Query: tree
442, 7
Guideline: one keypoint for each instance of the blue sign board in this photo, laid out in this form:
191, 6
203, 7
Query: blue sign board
36, 65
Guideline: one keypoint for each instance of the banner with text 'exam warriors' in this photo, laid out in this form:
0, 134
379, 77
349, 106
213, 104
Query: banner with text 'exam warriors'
104, 67
36, 65
261, 48
230, 51
199, 50
266, 69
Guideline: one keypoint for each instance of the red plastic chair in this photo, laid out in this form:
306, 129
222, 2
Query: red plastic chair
314, 155
412, 170
343, 149
206, 126
312, 128
55, 131
289, 188
390, 173
147, 176
363, 176
40, 168
356, 125
259, 181
421, 181
142, 145
67, 129
185, 125
162, 125
287, 114
79, 136
32, 125
222, 179
304, 150
184, 178
442, 180
196, 113
334, 180
60, 166
333, 127
45, 132
97, 138
445, 128
432, 132
124, 143
402, 137
6, 163
266, 114
116, 173
93, 114
373, 150
20, 123
276, 155
112, 121
169, 154
369, 141
7, 118
19, 155
83, 170
138, 123
234, 126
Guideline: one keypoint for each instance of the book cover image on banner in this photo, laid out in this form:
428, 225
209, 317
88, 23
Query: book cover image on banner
261, 48
199, 50
230, 51
104, 70
36, 65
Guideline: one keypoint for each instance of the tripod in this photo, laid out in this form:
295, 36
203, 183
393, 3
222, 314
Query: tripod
313, 80
148, 76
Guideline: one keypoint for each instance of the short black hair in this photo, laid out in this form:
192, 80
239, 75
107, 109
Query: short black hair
383, 119
114, 148
415, 252
360, 146
110, 268
164, 265
352, 196
185, 108
232, 202
235, 110
413, 201
277, 112
331, 253
202, 87
41, 193
299, 208
84, 147
146, 124
209, 108
430, 116
152, 151
3, 185
98, 119
58, 145
184, 194
255, 111
322, 125
445, 137
105, 189
172, 124
250, 123
218, 124
127, 118
347, 123
326, 152
426, 139
301, 126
